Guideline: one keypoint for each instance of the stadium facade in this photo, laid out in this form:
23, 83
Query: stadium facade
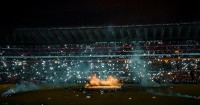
125, 33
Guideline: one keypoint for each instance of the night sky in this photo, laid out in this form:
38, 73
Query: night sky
95, 12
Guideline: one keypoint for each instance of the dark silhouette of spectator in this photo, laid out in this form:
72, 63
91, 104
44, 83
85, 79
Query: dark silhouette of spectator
192, 74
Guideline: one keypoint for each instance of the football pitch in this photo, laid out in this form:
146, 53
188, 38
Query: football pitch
180, 94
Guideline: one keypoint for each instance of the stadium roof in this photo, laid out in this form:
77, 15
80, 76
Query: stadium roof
125, 33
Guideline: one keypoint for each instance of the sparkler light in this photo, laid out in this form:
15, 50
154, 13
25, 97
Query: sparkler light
142, 62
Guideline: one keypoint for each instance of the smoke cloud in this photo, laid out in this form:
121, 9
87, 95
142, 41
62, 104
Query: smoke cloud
23, 87
170, 93
139, 68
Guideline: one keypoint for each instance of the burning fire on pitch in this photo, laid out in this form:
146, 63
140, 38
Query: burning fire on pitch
108, 83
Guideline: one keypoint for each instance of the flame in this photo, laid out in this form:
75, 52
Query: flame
109, 81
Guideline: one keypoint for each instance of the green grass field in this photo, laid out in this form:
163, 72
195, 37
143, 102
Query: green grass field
133, 95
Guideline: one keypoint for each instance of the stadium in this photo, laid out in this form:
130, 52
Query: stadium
158, 61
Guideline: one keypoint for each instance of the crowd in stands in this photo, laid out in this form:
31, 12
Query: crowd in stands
166, 61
